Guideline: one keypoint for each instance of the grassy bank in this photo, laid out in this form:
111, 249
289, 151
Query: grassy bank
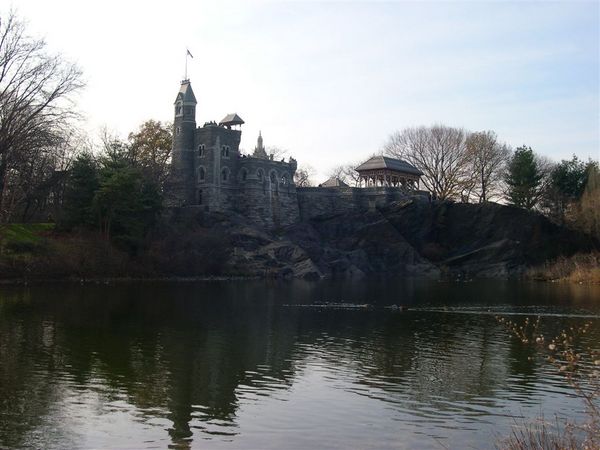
579, 268
23, 237
41, 252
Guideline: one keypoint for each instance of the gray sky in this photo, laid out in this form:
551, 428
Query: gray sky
329, 81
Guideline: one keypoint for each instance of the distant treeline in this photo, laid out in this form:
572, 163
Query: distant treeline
464, 166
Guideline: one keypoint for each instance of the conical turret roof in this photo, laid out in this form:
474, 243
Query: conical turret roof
186, 94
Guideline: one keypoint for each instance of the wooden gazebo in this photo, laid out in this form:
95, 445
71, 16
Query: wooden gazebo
384, 171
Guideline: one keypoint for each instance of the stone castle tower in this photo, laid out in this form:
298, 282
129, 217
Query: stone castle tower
209, 172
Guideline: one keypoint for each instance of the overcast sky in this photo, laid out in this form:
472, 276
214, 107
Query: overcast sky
329, 81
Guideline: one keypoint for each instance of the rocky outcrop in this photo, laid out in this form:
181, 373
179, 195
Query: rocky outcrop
483, 239
407, 238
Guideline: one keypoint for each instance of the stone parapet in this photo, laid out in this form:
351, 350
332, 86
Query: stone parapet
327, 201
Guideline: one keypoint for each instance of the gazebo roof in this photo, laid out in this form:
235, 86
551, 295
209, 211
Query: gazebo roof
231, 119
378, 162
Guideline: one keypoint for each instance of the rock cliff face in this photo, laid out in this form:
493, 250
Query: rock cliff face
409, 238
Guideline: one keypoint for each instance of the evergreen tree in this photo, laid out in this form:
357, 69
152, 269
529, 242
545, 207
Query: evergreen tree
126, 204
524, 179
80, 189
566, 185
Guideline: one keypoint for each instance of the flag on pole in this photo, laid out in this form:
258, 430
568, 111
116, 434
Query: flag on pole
188, 52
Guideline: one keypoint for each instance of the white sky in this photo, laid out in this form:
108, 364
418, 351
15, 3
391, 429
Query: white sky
329, 81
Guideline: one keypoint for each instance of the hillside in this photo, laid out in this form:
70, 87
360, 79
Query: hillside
410, 238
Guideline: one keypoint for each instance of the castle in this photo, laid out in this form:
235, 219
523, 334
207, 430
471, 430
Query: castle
208, 170
209, 173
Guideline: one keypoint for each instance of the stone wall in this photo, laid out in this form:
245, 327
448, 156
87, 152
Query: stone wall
328, 201
262, 204
213, 191
267, 194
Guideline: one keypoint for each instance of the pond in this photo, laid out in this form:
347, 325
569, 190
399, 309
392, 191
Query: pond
272, 365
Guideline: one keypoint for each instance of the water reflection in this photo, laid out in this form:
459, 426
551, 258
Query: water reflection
153, 365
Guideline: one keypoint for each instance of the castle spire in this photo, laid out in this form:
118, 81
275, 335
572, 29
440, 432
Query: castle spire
259, 150
259, 141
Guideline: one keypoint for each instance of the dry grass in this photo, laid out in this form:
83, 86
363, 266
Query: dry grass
579, 268
579, 366
542, 435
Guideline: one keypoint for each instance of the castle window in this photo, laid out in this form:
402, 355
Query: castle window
178, 130
259, 175
273, 178
225, 174
284, 180
225, 151
201, 150
201, 174
178, 109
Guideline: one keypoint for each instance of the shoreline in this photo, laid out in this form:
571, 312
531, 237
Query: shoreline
118, 280
220, 278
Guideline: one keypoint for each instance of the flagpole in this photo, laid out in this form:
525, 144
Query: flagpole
187, 53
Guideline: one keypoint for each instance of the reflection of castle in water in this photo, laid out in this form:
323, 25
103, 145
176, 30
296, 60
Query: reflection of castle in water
194, 354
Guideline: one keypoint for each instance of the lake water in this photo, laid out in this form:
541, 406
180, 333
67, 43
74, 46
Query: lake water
259, 365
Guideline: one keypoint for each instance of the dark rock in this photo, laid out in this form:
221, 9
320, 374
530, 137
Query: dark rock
403, 239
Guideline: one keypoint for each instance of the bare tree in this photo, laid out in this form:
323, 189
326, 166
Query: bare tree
439, 152
303, 176
35, 188
488, 159
545, 167
276, 153
346, 173
35, 106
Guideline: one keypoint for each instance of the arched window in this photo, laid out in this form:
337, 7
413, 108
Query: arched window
201, 174
177, 130
273, 177
225, 174
244, 175
201, 150
225, 151
178, 109
284, 180
260, 175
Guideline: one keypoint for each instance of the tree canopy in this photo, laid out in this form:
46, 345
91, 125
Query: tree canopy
36, 110
524, 178
150, 149
439, 152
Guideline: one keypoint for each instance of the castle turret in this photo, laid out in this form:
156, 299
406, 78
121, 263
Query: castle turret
182, 156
